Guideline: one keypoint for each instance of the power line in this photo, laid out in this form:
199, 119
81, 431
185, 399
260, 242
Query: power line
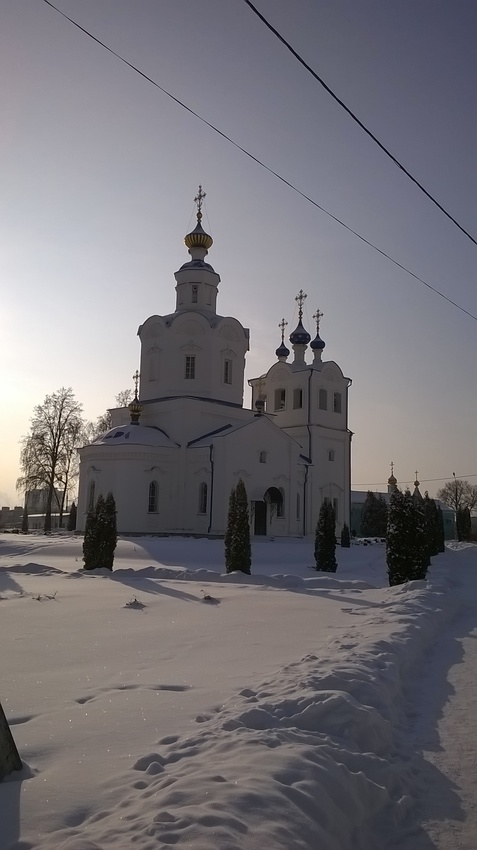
421, 481
357, 120
260, 163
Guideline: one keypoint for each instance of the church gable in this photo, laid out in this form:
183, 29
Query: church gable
152, 328
332, 373
279, 373
230, 329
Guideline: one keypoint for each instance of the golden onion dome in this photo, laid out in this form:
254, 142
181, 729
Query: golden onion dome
198, 238
135, 409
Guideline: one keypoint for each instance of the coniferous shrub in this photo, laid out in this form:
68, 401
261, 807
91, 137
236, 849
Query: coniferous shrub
466, 524
90, 541
368, 515
107, 532
242, 550
72, 517
407, 553
430, 517
420, 540
325, 539
345, 537
25, 525
463, 524
374, 517
440, 531
230, 531
238, 549
100, 534
459, 522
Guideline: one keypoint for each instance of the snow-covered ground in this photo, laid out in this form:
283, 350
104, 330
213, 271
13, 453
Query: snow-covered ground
167, 704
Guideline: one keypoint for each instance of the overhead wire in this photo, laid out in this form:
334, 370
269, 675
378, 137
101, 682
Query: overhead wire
421, 481
259, 162
356, 119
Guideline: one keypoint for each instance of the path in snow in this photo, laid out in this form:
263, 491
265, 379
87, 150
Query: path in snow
443, 733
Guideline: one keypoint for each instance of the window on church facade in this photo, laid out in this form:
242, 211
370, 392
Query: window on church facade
203, 498
331, 454
262, 458
190, 367
280, 399
336, 402
297, 398
323, 399
195, 293
227, 371
153, 494
335, 503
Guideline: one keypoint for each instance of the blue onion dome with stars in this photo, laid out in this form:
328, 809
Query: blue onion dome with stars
282, 350
300, 336
317, 344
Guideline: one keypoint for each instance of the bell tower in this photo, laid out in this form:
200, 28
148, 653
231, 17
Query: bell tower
196, 281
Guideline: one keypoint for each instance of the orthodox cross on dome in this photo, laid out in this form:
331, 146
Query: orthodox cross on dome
136, 377
392, 467
317, 316
198, 200
416, 483
300, 299
282, 325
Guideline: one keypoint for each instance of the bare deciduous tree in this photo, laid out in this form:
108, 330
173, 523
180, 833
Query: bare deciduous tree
104, 423
48, 454
458, 494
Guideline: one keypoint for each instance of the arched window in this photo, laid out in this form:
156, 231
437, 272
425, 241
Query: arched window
92, 487
227, 371
195, 292
153, 497
274, 497
331, 454
189, 373
280, 399
337, 403
203, 498
281, 504
323, 399
262, 457
297, 398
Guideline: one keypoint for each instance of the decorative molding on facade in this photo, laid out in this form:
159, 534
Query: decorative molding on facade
189, 346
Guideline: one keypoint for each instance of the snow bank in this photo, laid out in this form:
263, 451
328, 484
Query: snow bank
309, 758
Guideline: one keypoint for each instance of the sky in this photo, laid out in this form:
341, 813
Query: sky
168, 704
99, 169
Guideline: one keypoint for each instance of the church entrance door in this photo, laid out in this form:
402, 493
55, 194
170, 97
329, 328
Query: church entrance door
260, 515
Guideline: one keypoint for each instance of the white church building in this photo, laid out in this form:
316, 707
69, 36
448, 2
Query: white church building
174, 455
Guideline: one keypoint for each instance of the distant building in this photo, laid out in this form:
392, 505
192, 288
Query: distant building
11, 517
358, 498
36, 501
